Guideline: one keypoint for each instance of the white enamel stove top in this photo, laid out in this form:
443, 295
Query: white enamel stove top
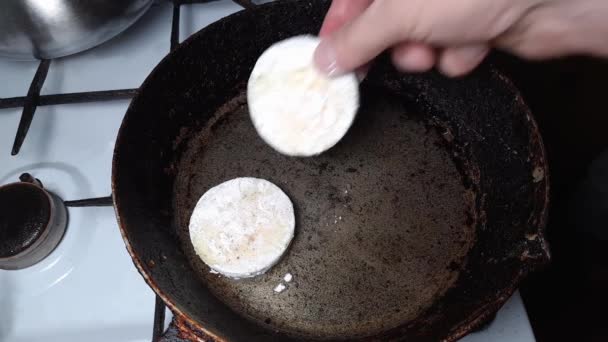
88, 289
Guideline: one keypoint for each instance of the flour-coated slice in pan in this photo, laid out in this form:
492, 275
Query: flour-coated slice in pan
242, 227
296, 109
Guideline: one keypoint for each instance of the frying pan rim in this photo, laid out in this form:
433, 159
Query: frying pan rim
456, 332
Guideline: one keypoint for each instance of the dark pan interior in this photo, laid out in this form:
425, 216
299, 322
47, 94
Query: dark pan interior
384, 220
420, 223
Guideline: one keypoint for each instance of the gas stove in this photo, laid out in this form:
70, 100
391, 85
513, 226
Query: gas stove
87, 288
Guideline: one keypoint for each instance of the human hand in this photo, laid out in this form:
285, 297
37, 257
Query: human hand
455, 35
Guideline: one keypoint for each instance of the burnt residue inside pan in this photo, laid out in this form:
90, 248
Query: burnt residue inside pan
384, 220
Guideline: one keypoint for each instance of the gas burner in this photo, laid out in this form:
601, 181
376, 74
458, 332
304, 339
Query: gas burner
32, 223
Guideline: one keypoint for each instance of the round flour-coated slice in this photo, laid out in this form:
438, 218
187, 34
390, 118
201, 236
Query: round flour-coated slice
242, 227
295, 108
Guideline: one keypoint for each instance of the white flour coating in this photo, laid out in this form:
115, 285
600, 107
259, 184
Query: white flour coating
280, 288
242, 227
296, 109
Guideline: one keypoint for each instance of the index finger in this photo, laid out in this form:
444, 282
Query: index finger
381, 25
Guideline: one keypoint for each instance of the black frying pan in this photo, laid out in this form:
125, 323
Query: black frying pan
417, 226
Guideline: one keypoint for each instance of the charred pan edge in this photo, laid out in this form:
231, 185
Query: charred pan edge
179, 330
540, 215
188, 329
542, 188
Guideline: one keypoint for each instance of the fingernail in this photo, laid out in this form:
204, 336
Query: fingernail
325, 59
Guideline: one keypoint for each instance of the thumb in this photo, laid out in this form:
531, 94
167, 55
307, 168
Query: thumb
380, 26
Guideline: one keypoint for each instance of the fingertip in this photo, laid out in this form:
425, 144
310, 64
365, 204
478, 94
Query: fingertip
413, 57
459, 61
359, 40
